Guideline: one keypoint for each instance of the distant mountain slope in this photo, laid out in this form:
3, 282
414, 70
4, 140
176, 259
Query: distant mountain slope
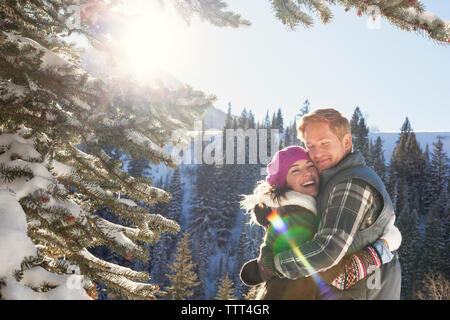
215, 119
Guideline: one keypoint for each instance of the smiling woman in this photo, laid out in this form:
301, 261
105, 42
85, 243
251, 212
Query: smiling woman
154, 38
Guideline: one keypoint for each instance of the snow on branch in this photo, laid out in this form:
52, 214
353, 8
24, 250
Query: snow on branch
409, 15
114, 269
210, 10
289, 13
157, 220
145, 142
15, 245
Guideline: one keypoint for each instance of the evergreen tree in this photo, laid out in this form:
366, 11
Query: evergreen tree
251, 236
371, 161
426, 155
227, 125
200, 225
252, 293
446, 226
229, 118
183, 277
409, 251
415, 164
360, 134
407, 168
167, 244
267, 124
251, 120
378, 161
406, 128
288, 136
59, 122
279, 126
441, 212
225, 289
214, 214
304, 109
429, 188
274, 123
235, 123
243, 119
294, 132
279, 121
397, 175
433, 257
138, 167
439, 166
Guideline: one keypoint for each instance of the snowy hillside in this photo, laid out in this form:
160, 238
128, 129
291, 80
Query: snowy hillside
214, 119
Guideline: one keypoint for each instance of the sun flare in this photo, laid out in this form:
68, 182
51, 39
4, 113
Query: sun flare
155, 38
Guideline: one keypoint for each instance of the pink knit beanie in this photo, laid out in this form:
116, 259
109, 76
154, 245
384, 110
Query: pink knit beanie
278, 168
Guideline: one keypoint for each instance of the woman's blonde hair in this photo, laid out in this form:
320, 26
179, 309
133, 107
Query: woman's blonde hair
339, 125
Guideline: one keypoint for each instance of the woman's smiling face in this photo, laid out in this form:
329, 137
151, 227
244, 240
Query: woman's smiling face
303, 177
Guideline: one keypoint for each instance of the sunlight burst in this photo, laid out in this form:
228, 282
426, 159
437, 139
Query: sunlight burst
156, 38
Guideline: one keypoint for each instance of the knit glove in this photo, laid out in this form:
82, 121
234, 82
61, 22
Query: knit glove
262, 269
250, 274
261, 212
361, 264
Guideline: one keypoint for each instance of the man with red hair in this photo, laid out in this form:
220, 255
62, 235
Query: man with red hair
353, 205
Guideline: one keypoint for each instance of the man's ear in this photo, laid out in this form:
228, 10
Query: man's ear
347, 140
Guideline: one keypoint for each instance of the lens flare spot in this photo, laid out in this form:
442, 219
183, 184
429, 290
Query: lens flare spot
276, 221
291, 235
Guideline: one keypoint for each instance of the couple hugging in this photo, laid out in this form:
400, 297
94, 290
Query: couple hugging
329, 221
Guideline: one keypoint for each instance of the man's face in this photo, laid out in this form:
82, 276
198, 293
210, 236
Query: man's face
324, 147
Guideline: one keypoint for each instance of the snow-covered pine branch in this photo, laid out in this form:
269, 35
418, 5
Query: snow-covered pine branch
290, 13
210, 10
408, 15
55, 120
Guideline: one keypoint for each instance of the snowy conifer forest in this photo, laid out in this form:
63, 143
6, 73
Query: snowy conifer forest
205, 202
112, 188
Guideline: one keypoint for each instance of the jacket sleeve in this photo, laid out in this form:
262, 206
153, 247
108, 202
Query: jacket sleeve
349, 203
265, 259
392, 235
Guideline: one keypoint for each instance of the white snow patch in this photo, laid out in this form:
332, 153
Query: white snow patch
62, 169
14, 290
15, 244
128, 202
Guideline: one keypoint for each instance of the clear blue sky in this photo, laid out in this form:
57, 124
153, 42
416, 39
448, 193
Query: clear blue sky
387, 72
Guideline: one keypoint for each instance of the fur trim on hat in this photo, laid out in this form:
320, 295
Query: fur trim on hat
263, 194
